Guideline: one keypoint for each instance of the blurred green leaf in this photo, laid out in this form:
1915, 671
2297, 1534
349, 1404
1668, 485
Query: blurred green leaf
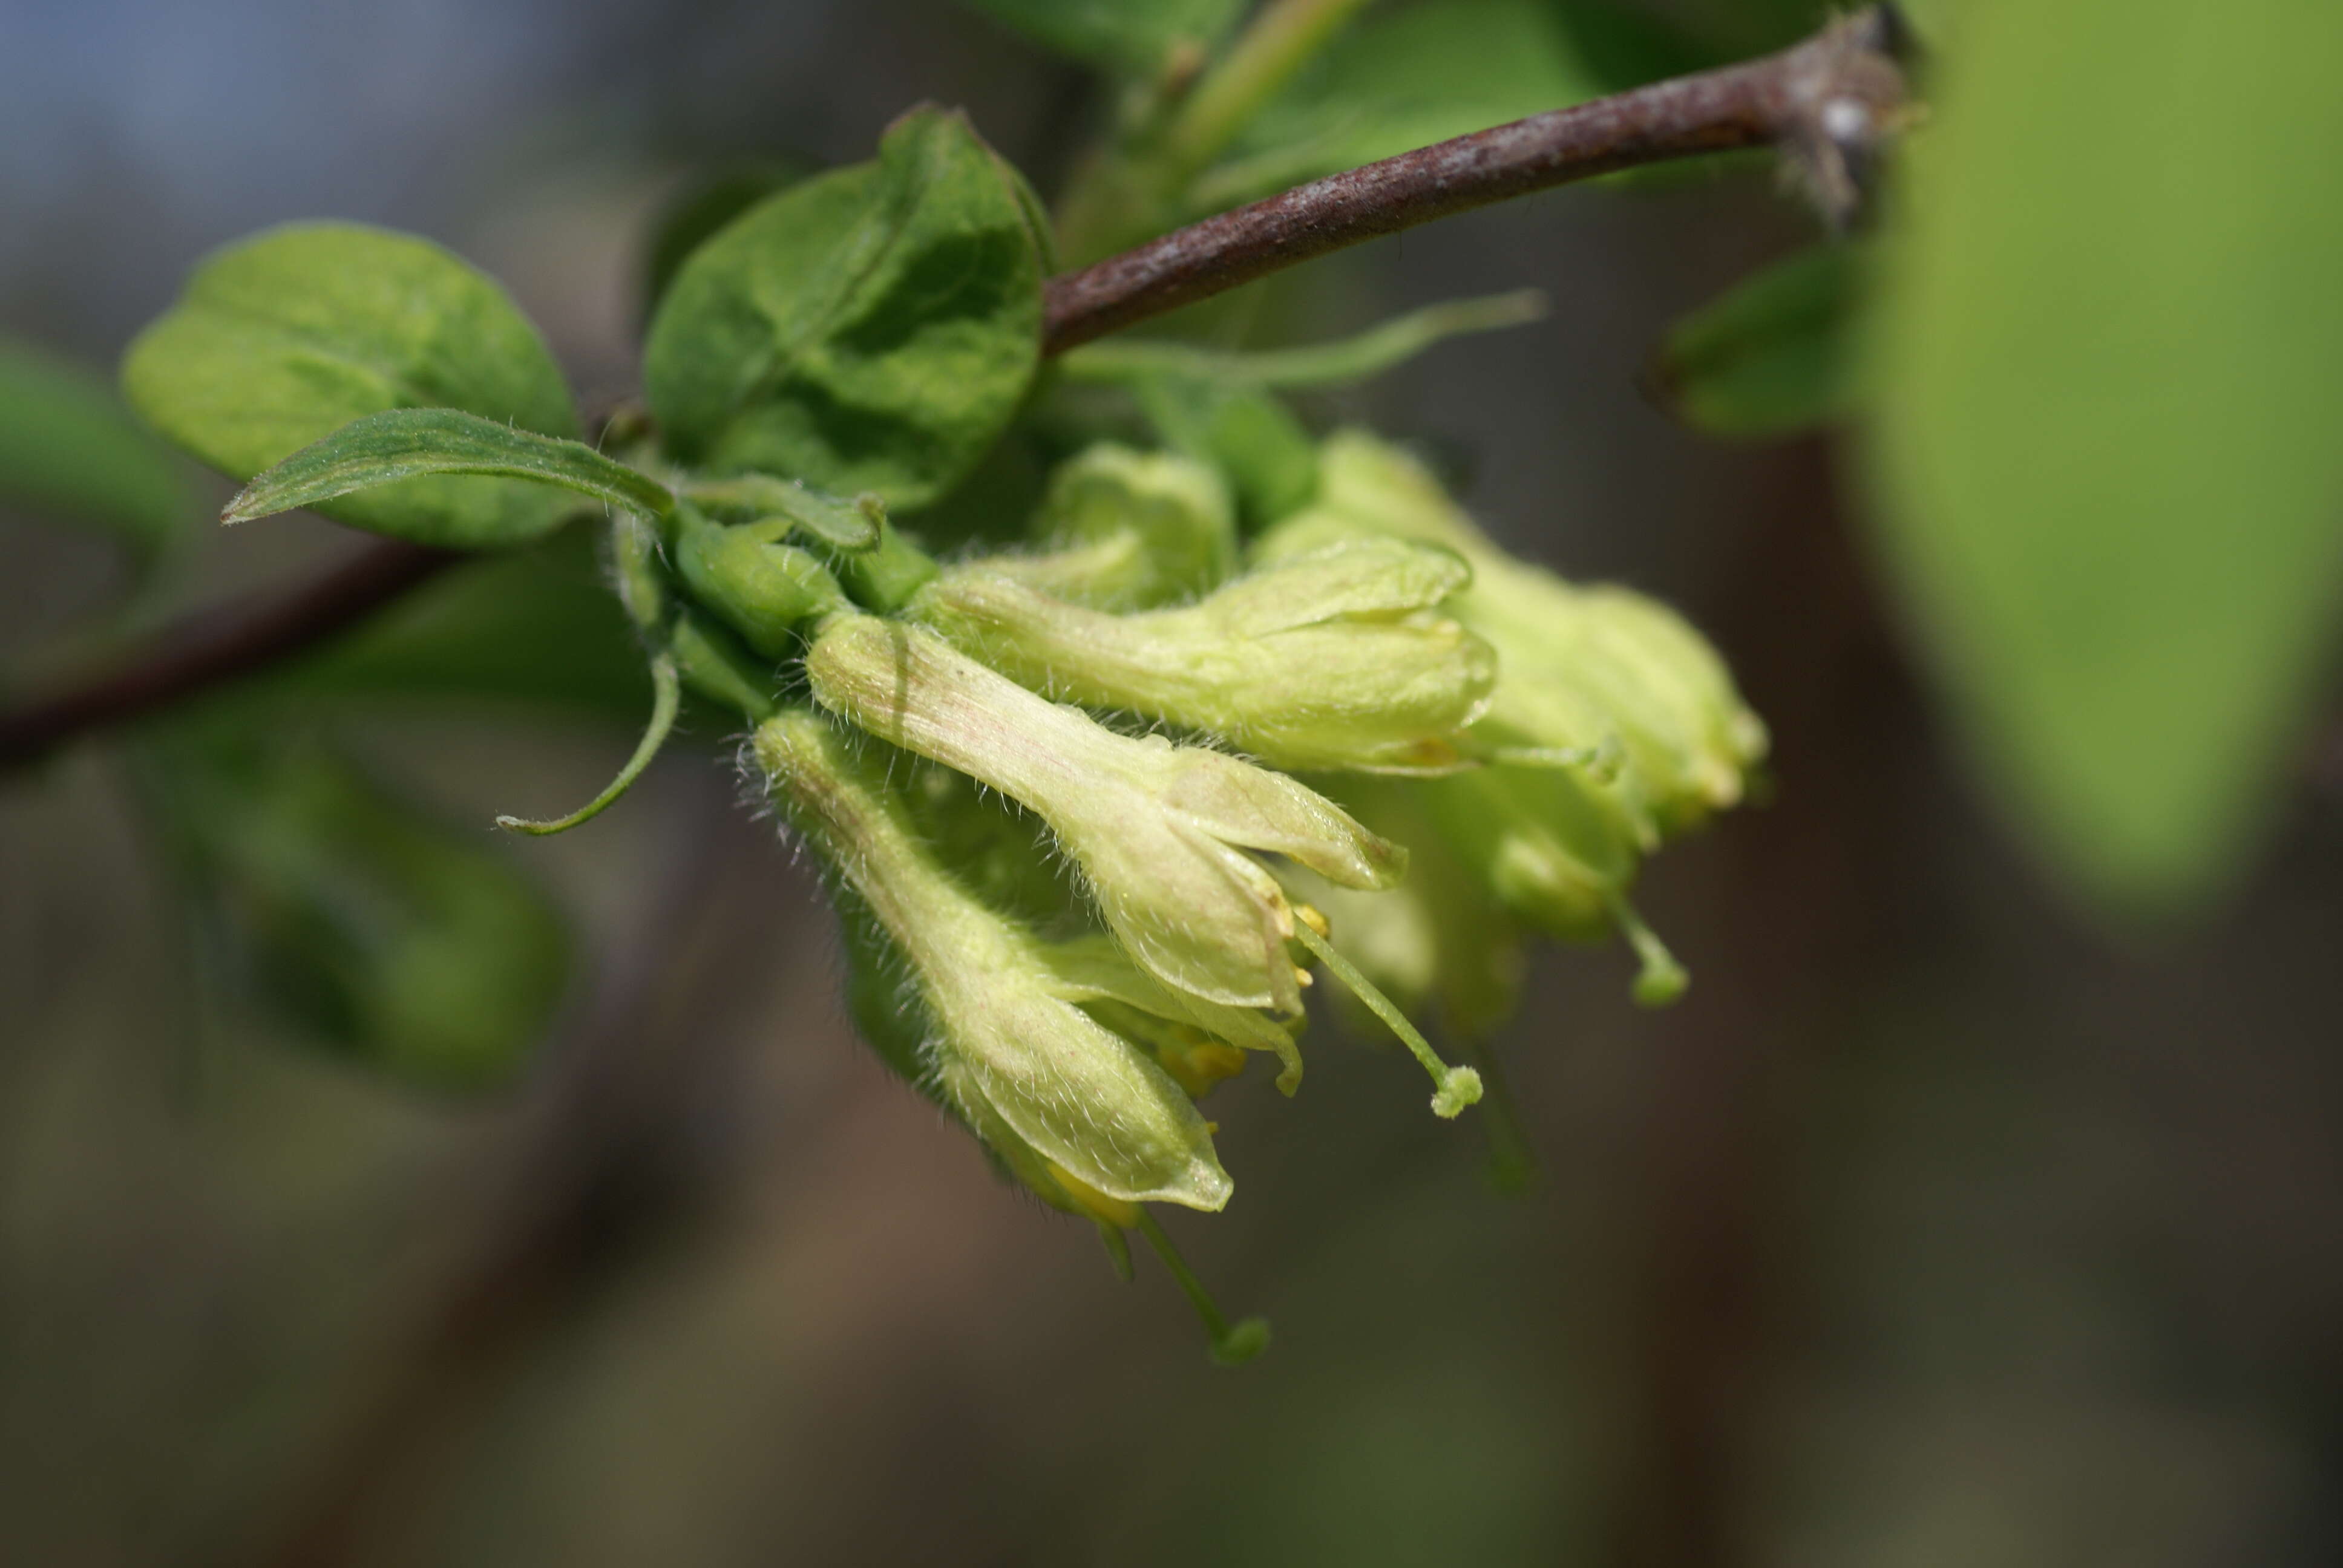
700, 210
1769, 356
401, 443
872, 329
2111, 360
414, 948
1133, 36
285, 338
70, 453
1402, 79
1354, 358
537, 627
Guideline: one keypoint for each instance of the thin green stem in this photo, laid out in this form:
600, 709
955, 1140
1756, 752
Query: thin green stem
1455, 1088
1280, 40
1353, 359
666, 696
1232, 1344
1511, 1162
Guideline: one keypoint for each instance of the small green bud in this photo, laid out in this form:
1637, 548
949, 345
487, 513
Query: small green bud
1132, 529
1157, 832
1329, 659
1010, 1049
761, 589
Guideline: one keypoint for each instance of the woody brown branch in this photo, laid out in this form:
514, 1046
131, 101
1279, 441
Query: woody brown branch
1827, 104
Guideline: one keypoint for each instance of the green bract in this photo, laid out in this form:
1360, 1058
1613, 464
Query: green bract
282, 339
871, 329
1157, 832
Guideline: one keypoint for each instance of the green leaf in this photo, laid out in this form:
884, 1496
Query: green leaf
2111, 357
1133, 36
70, 453
1769, 356
700, 210
386, 936
286, 337
1403, 79
872, 330
401, 443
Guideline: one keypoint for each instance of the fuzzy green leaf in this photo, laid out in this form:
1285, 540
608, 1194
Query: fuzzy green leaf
2111, 358
872, 329
1770, 356
402, 444
69, 453
1133, 36
286, 337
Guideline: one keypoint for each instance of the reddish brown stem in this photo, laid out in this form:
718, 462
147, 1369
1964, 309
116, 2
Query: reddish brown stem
1826, 103
218, 646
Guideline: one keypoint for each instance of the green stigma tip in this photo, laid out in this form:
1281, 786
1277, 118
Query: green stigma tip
1459, 1086
1241, 1344
1661, 984
1661, 980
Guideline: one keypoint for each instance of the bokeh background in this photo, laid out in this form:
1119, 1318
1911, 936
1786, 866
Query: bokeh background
1935, 1226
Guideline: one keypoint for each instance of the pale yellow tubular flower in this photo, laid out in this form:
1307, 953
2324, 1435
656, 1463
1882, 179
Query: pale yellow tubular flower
1159, 832
1330, 659
1010, 1047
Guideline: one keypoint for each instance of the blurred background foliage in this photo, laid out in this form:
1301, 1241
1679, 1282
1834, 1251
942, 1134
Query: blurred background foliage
1980, 1205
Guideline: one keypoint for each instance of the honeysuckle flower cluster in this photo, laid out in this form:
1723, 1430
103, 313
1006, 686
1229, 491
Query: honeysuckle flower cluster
1100, 807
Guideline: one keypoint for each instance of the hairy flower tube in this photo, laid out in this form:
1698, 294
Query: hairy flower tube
1010, 1047
1332, 658
1159, 832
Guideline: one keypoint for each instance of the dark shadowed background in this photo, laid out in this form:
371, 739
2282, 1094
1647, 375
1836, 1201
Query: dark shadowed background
1932, 1228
